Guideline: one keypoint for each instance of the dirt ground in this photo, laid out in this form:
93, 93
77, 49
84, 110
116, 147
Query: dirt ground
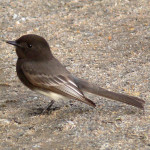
104, 41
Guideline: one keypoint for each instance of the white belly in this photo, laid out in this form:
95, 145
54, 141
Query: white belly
52, 95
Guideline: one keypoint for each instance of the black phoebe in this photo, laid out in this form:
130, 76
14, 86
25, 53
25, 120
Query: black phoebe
40, 71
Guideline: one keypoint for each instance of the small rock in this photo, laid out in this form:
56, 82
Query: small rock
15, 16
4, 121
23, 19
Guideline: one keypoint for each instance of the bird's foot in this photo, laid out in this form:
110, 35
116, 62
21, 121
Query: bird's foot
48, 107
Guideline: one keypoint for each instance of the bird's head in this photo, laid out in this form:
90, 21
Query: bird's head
31, 46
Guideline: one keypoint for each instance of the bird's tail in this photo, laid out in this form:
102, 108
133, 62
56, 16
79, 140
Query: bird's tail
91, 88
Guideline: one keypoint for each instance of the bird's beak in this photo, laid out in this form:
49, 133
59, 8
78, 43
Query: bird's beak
13, 43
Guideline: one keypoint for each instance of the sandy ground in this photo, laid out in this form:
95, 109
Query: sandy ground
104, 41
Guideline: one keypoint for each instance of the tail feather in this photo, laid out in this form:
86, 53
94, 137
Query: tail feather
130, 100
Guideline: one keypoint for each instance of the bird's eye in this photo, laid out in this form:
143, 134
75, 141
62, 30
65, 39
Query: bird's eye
29, 45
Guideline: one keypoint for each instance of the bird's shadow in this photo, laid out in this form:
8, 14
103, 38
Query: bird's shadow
41, 111
70, 109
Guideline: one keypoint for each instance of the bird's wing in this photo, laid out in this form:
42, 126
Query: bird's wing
61, 84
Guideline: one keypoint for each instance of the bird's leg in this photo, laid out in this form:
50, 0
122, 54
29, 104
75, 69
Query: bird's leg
48, 107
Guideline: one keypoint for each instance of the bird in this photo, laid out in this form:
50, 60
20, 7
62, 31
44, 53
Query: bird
40, 71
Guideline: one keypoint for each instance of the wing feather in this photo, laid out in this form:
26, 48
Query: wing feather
59, 82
